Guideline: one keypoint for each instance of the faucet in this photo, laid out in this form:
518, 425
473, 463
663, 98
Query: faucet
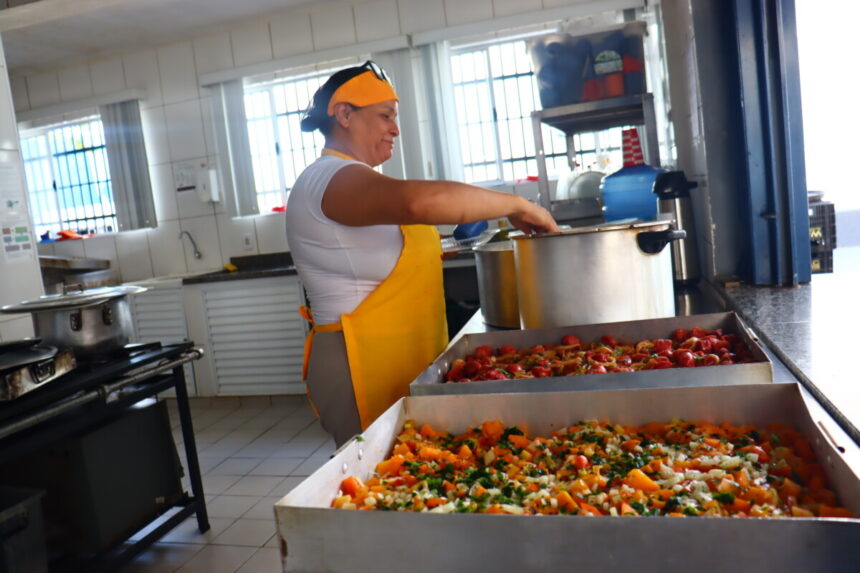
197, 253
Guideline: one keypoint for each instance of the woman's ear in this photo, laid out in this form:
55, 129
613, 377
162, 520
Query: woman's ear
343, 113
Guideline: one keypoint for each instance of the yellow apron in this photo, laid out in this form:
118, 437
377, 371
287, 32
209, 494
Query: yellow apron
398, 329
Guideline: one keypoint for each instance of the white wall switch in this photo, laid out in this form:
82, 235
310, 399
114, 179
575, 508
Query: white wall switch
248, 242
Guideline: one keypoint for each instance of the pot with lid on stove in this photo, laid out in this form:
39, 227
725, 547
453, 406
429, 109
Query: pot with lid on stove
92, 322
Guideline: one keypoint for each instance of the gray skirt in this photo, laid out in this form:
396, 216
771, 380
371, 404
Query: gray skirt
330, 387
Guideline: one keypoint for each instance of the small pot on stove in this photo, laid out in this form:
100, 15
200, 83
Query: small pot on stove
92, 322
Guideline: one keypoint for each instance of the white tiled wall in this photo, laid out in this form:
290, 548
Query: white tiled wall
176, 115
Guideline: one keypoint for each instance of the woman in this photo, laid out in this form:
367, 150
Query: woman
368, 255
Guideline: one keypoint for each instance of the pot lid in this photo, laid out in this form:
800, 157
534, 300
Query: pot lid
76, 299
11, 345
23, 356
636, 224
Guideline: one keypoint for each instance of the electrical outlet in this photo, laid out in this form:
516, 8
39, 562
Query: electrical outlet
247, 242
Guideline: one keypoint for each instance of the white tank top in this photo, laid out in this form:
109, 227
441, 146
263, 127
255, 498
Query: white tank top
338, 264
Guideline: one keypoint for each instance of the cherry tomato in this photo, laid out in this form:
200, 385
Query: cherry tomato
471, 368
541, 372
570, 340
684, 359
570, 369
680, 335
483, 351
580, 462
709, 360
600, 357
661, 344
608, 340
624, 360
597, 369
497, 374
513, 368
506, 349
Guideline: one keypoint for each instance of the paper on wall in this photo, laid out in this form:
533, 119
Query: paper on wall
16, 236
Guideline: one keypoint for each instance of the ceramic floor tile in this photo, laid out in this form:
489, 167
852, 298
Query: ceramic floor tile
287, 485
257, 450
265, 560
188, 531
254, 485
263, 509
235, 466
302, 447
230, 505
218, 484
250, 532
276, 467
310, 465
218, 559
162, 558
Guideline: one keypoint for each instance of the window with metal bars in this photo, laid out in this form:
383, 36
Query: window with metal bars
280, 150
68, 178
494, 95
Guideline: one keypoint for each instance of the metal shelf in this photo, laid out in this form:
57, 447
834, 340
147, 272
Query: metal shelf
594, 116
597, 115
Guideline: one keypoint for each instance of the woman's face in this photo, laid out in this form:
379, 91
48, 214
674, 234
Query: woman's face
374, 129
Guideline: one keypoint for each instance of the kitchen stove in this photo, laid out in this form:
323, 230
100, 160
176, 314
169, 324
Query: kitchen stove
26, 368
90, 394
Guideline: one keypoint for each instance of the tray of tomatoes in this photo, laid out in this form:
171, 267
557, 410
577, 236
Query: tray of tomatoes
699, 350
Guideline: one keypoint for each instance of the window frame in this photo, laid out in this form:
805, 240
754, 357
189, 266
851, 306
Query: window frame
50, 199
311, 143
562, 154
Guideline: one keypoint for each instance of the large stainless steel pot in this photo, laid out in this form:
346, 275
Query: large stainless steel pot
91, 322
588, 275
497, 284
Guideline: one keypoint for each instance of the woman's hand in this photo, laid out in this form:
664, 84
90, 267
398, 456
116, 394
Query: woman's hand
533, 219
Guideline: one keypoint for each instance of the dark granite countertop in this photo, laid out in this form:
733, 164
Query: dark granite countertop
812, 328
249, 267
241, 274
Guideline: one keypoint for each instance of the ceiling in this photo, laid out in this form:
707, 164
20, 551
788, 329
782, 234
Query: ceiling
48, 33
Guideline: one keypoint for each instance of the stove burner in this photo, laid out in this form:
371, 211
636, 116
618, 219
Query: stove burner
123, 353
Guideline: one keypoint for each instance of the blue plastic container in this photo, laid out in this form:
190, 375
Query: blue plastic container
469, 230
629, 193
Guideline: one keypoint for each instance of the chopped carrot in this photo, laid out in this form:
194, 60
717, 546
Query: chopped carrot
637, 479
519, 441
351, 485
492, 430
428, 432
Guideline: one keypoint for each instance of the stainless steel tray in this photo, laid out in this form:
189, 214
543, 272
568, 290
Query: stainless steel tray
432, 380
314, 537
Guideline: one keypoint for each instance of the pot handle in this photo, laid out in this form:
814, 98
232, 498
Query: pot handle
652, 242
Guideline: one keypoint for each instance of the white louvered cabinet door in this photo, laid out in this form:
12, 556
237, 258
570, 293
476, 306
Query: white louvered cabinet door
255, 335
159, 316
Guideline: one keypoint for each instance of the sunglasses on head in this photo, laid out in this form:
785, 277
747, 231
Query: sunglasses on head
374, 67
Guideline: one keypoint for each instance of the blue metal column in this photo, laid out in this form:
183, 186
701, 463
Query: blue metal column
773, 136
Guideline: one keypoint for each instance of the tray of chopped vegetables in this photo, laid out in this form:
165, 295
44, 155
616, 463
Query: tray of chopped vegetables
672, 477
697, 350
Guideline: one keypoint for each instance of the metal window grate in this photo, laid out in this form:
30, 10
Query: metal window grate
68, 178
495, 93
280, 150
